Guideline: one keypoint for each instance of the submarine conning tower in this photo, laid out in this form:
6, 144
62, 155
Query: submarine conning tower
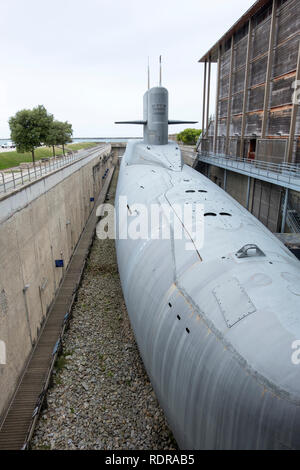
156, 115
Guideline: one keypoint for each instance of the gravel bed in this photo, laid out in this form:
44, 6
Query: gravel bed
101, 397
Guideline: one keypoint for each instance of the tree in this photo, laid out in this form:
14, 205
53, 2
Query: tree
189, 136
64, 133
29, 128
52, 138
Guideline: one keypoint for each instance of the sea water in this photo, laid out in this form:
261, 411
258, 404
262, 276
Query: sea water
8, 141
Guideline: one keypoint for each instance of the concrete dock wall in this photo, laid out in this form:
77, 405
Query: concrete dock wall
39, 224
188, 153
265, 199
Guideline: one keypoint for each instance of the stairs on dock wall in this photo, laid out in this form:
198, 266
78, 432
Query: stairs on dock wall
293, 220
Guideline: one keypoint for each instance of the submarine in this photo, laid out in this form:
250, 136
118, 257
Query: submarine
217, 324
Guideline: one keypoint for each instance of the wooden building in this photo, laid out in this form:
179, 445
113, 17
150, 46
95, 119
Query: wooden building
257, 113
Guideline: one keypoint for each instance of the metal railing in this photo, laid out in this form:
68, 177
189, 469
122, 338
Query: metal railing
293, 219
283, 174
15, 177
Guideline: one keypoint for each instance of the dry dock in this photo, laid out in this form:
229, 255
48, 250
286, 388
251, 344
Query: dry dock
101, 397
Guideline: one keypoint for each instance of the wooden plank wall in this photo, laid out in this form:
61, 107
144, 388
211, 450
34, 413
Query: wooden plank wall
282, 77
266, 203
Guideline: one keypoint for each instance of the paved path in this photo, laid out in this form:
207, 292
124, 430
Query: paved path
17, 177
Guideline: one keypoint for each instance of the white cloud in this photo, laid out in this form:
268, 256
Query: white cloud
86, 61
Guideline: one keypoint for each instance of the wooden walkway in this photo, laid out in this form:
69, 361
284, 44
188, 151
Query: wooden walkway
18, 426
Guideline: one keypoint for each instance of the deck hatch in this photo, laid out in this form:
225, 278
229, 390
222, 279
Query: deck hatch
233, 301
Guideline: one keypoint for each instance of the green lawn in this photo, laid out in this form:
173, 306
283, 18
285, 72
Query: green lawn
11, 159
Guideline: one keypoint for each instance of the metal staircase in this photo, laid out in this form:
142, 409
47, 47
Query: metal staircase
293, 220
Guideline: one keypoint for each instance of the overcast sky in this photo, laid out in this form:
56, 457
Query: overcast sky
86, 60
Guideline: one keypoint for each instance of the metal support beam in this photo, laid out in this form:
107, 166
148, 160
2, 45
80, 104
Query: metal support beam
208, 95
284, 214
217, 101
289, 154
248, 193
204, 97
229, 97
225, 179
246, 87
269, 70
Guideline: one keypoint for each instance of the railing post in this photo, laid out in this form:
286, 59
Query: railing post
22, 175
3, 179
13, 177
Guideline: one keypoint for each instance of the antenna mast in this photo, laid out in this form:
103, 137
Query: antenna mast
160, 70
